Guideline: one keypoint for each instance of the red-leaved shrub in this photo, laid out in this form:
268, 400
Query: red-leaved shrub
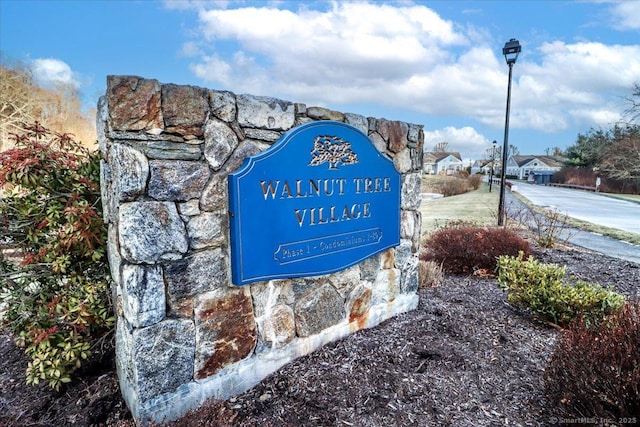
464, 249
594, 371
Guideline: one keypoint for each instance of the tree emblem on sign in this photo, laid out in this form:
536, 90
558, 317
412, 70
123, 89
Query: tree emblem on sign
333, 150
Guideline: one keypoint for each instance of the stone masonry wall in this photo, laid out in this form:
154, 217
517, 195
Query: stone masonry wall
185, 333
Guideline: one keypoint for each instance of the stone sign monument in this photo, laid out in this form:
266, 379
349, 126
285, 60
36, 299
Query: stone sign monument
233, 254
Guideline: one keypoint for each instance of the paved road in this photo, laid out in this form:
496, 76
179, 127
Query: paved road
591, 207
585, 239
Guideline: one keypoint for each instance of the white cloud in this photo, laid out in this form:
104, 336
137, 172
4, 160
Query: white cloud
465, 140
195, 4
353, 51
625, 15
213, 69
405, 56
580, 83
50, 71
190, 49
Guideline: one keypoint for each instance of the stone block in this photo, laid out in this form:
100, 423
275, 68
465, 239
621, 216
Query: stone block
321, 113
189, 208
168, 150
410, 276
265, 113
164, 356
225, 330
184, 109
143, 296
407, 224
410, 195
317, 309
272, 305
109, 207
134, 103
223, 105
219, 142
403, 252
388, 259
268, 136
268, 294
344, 281
102, 121
386, 287
415, 136
378, 142
277, 327
113, 252
416, 239
207, 230
395, 133
215, 194
177, 180
358, 304
402, 161
357, 121
246, 148
129, 170
150, 232
369, 268
417, 159
200, 272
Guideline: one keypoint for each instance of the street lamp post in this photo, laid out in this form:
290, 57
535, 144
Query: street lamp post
510, 51
493, 164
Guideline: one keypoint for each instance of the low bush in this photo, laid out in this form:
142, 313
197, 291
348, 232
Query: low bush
431, 273
475, 181
464, 174
453, 187
55, 292
594, 371
465, 249
549, 226
540, 289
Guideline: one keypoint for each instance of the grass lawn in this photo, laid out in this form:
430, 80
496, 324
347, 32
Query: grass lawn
479, 206
631, 197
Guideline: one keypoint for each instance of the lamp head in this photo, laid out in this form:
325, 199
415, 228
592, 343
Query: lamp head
511, 50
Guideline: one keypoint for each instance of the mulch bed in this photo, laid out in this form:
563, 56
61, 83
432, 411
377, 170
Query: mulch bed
464, 357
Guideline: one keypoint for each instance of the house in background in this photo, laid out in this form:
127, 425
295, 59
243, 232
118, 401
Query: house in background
442, 163
522, 166
481, 166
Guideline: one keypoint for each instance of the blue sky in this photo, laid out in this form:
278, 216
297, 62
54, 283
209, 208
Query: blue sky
435, 63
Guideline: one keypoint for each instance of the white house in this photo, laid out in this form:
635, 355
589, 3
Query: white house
443, 163
481, 166
522, 166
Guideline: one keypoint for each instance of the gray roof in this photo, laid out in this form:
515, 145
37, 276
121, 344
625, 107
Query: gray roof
439, 155
551, 161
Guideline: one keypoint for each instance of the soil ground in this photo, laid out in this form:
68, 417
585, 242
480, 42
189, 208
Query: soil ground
464, 357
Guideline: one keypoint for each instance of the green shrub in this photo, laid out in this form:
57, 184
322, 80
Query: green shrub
594, 371
55, 298
539, 288
464, 249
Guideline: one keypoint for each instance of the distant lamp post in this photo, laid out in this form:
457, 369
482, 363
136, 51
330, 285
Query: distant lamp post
493, 163
510, 51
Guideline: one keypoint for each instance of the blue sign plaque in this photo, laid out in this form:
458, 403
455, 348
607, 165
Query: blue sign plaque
321, 199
